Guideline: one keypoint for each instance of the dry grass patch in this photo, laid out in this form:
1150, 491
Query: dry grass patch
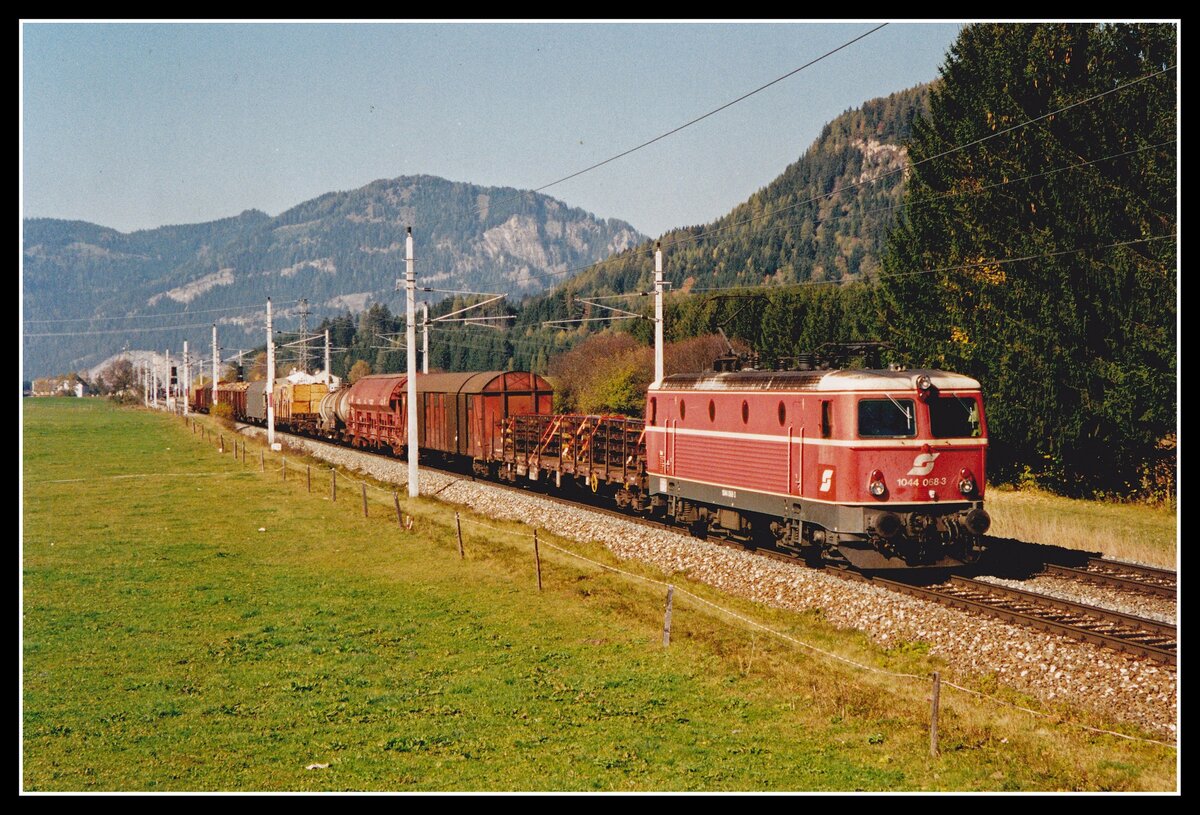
1132, 532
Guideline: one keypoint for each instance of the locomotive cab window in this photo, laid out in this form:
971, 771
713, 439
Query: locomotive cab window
826, 419
954, 417
886, 418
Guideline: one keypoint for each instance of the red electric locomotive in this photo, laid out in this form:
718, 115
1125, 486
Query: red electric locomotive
880, 468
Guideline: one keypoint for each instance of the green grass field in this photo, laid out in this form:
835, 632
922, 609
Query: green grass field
219, 629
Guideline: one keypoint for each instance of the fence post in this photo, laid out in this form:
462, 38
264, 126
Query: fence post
364, 493
537, 559
396, 501
308, 475
222, 447
933, 715
333, 483
458, 530
284, 468
667, 618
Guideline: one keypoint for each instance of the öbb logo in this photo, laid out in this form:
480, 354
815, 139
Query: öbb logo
923, 464
826, 480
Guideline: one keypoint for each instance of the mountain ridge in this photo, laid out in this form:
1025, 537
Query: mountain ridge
339, 249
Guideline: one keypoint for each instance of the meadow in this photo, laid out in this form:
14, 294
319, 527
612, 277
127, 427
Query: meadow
192, 623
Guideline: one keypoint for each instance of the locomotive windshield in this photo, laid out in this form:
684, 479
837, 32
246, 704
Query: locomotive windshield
886, 418
954, 417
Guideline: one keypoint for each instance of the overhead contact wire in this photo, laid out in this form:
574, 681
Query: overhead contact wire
688, 124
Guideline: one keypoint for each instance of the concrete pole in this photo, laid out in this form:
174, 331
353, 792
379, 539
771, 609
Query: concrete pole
658, 315
425, 338
327, 372
270, 378
187, 378
167, 379
154, 385
216, 363
410, 337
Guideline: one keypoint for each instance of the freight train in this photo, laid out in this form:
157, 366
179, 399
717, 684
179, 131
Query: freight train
875, 469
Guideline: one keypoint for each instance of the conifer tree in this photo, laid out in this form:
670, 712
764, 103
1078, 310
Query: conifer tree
1075, 347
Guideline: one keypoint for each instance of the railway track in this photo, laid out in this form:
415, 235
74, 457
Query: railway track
1118, 574
1100, 626
1111, 629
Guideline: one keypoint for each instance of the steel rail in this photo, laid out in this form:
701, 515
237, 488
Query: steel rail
1133, 635
1101, 572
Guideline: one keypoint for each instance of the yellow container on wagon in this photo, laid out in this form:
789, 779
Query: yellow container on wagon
297, 403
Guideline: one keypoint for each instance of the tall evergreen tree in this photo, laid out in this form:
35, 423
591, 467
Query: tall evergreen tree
1076, 347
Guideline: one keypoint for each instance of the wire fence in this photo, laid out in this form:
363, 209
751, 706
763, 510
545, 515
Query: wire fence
407, 521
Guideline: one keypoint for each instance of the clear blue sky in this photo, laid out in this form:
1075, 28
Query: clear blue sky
138, 125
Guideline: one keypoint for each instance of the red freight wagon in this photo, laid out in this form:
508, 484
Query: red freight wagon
234, 395
885, 466
201, 398
458, 414
377, 415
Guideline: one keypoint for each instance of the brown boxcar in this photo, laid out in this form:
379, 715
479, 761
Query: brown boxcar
458, 414
461, 414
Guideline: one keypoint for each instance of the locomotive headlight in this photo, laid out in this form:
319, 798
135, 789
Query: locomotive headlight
966, 482
924, 383
876, 486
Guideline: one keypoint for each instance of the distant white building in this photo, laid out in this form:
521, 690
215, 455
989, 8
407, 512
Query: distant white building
65, 385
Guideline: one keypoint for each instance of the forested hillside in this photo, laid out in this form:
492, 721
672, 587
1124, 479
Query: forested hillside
826, 217
791, 232
1042, 259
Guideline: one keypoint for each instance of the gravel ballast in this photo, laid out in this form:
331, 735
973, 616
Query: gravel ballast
1052, 668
